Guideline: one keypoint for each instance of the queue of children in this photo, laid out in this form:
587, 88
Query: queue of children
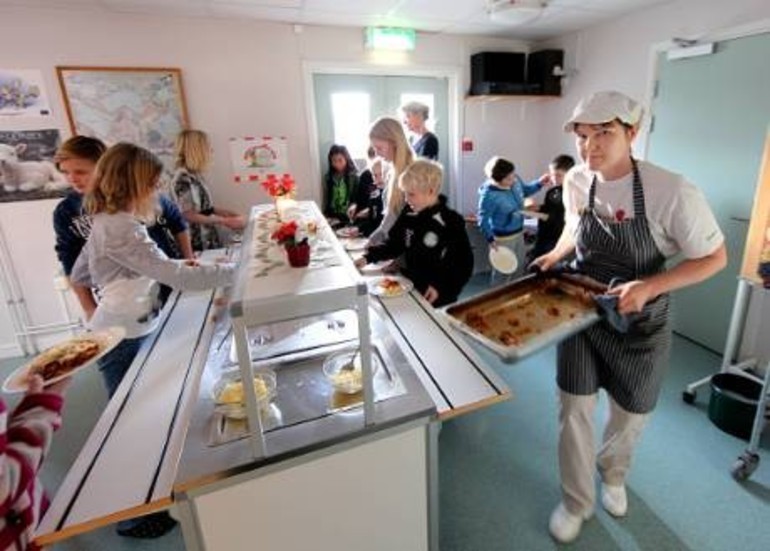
117, 235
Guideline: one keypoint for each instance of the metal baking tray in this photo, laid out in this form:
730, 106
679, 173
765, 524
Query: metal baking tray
526, 315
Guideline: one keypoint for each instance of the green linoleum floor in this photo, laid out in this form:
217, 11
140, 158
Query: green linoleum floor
499, 478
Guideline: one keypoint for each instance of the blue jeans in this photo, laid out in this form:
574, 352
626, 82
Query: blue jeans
114, 365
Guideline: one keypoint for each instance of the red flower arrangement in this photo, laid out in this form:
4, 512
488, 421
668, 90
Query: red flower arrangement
288, 235
296, 245
275, 187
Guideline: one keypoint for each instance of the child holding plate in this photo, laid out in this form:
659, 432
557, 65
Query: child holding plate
501, 201
430, 235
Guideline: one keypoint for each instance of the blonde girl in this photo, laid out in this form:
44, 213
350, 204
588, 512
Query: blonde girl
389, 142
193, 157
122, 261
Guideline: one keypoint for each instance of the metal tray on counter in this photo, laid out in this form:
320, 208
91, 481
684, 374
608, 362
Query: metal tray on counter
303, 393
526, 315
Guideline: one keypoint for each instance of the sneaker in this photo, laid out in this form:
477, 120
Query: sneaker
614, 500
564, 526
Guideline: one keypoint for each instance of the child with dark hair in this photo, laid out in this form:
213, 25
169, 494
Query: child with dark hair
549, 229
340, 186
501, 202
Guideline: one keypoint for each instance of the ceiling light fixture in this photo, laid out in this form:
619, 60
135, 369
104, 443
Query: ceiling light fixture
515, 12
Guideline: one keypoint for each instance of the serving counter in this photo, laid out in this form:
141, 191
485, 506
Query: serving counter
329, 475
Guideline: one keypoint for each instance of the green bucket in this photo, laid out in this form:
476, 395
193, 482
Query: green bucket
733, 403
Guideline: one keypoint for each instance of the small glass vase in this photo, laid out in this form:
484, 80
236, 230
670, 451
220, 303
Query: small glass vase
298, 255
283, 204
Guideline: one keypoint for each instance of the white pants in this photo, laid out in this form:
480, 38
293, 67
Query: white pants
578, 457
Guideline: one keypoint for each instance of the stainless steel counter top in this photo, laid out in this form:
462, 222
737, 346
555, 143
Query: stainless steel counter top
306, 418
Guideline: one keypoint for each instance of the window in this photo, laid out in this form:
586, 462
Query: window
351, 113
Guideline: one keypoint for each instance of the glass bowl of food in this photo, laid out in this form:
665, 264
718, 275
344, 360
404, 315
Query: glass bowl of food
344, 371
229, 397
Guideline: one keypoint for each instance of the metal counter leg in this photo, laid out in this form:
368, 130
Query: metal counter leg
432, 433
185, 514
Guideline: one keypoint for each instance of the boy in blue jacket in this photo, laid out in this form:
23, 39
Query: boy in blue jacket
501, 200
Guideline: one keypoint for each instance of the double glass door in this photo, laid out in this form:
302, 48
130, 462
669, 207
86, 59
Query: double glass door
346, 105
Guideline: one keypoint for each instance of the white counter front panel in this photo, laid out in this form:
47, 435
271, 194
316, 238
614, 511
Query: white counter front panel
372, 496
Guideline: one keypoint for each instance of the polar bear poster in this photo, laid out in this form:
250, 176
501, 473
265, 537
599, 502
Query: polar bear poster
27, 170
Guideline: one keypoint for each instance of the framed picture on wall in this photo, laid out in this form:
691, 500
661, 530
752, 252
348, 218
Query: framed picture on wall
141, 105
27, 170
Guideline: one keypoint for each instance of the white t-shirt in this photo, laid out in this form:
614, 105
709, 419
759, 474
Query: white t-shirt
680, 219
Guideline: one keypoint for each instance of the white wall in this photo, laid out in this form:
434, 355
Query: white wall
240, 78
616, 55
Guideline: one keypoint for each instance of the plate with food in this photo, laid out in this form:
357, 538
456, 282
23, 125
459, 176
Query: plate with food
66, 358
347, 231
390, 286
356, 244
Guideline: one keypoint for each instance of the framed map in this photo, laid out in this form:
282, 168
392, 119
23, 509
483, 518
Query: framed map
144, 106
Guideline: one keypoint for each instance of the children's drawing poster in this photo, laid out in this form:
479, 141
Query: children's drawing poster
22, 93
255, 158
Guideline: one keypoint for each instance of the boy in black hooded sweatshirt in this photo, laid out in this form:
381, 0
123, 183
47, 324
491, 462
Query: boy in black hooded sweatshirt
430, 235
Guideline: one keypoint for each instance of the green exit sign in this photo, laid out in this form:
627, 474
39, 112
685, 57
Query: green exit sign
389, 38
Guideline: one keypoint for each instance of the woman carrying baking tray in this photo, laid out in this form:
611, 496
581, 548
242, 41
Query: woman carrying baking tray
623, 219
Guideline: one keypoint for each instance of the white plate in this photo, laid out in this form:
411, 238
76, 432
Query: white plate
356, 244
107, 339
347, 231
376, 288
503, 259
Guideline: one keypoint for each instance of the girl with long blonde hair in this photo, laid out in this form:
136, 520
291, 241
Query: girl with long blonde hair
389, 142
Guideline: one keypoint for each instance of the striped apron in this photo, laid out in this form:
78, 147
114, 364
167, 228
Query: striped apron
630, 366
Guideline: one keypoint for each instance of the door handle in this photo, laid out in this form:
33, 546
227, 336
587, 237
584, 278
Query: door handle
739, 219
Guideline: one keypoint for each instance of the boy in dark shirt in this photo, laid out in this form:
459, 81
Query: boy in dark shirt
549, 230
430, 235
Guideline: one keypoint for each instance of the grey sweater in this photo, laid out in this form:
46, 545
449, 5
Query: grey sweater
125, 265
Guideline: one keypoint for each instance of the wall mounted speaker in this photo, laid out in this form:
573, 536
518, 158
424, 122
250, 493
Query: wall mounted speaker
498, 73
540, 72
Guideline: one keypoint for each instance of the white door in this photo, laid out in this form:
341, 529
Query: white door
346, 105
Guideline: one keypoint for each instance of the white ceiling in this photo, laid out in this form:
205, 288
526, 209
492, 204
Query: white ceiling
440, 16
